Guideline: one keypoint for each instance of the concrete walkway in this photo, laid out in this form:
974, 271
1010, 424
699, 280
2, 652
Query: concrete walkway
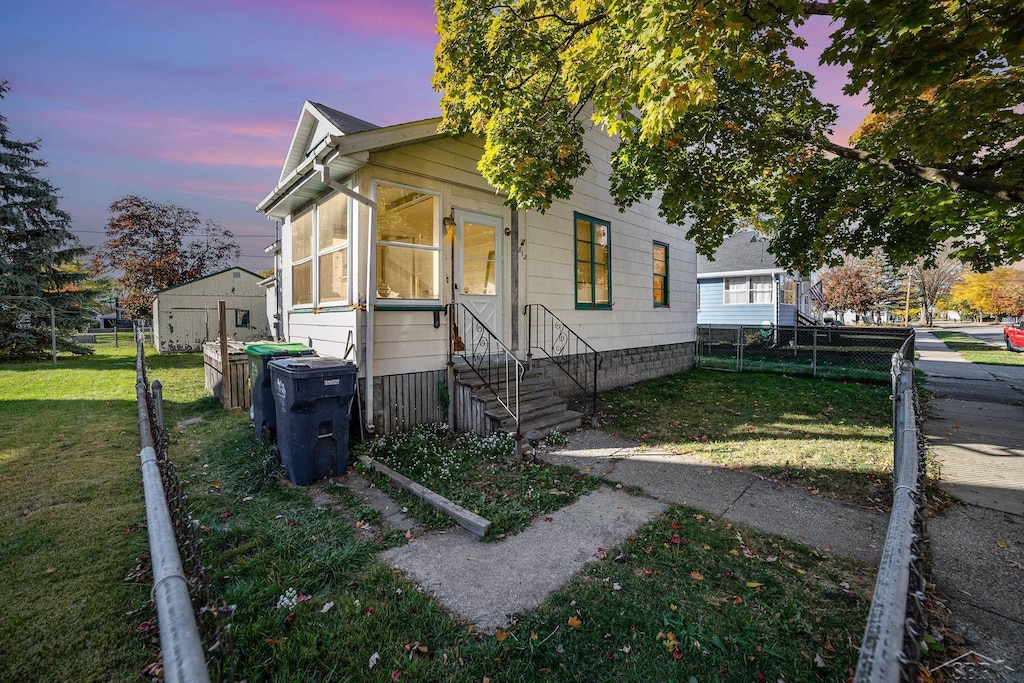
975, 426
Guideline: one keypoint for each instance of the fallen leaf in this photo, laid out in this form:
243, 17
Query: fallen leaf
697, 576
408, 535
616, 587
674, 608
676, 539
676, 525
754, 584
575, 621
602, 553
737, 600
549, 519
698, 517
396, 675
677, 654
326, 608
374, 658
291, 522
501, 635
51, 570
275, 641
1002, 544
625, 649
707, 547
819, 662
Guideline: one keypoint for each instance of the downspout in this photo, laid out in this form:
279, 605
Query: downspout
371, 287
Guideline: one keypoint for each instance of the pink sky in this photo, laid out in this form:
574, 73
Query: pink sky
194, 102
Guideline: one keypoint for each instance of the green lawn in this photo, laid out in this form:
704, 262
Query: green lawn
689, 597
829, 436
976, 351
72, 516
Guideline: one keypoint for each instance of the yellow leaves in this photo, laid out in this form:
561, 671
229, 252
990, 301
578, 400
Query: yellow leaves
754, 584
696, 576
1002, 544
501, 635
576, 620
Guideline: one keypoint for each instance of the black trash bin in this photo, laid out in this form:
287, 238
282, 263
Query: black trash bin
264, 416
312, 397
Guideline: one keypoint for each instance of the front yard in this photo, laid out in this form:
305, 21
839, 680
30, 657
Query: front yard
688, 597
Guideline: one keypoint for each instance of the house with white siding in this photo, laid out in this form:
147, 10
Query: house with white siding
742, 285
396, 254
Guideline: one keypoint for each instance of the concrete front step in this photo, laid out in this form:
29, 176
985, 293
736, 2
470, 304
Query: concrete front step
563, 421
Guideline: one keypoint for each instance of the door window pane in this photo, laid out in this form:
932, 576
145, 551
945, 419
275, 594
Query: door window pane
478, 266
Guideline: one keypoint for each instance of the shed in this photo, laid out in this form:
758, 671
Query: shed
185, 316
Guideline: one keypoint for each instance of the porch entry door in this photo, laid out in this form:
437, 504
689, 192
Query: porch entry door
478, 260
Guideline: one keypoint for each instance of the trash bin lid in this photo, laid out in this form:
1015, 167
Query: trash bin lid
279, 349
313, 365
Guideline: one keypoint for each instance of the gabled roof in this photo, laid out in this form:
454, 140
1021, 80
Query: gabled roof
743, 251
345, 123
326, 137
204, 277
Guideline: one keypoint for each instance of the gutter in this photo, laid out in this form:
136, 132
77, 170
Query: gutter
371, 276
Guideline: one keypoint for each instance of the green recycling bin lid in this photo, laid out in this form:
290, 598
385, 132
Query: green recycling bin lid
278, 349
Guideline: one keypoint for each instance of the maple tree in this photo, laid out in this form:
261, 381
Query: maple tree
844, 289
997, 291
37, 256
710, 113
153, 246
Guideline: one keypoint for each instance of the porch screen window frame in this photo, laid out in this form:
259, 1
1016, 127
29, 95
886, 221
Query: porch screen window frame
301, 226
590, 261
335, 247
387, 296
659, 253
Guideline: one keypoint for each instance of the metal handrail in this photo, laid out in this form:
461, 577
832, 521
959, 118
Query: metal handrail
492, 361
183, 656
558, 342
891, 647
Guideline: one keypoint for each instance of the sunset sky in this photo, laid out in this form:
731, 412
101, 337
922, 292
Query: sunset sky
194, 103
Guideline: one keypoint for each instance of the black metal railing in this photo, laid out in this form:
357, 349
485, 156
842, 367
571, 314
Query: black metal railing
496, 366
546, 333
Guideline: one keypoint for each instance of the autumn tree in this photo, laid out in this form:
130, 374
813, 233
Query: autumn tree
932, 279
844, 289
40, 290
152, 246
710, 113
992, 293
885, 282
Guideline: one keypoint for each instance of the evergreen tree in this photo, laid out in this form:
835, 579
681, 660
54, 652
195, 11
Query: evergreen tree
37, 249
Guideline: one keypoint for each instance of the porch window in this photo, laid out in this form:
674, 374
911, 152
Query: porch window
408, 244
660, 275
787, 292
332, 250
302, 259
593, 263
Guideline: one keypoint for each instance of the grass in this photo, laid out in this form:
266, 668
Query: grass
479, 474
976, 351
732, 603
71, 516
831, 437
688, 597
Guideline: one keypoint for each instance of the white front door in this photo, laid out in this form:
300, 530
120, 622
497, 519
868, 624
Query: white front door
478, 267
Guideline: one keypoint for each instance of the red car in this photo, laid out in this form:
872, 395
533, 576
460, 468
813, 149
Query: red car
1014, 335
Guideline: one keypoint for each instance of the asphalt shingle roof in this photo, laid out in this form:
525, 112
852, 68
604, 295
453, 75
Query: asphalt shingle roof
346, 124
740, 251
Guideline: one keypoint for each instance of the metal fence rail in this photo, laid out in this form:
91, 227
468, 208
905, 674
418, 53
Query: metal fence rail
846, 352
891, 647
183, 656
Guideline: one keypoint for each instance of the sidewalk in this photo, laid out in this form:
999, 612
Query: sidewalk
975, 426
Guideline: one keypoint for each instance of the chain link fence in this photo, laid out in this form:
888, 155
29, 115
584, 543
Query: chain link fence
859, 353
213, 616
891, 647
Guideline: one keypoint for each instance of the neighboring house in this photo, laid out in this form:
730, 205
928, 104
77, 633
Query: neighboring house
186, 315
743, 286
391, 238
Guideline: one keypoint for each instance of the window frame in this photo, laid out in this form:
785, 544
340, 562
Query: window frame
309, 258
436, 248
666, 301
577, 261
346, 297
242, 317
748, 291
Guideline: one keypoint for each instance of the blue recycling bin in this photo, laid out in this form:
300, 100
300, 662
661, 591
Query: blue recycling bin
264, 415
312, 399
